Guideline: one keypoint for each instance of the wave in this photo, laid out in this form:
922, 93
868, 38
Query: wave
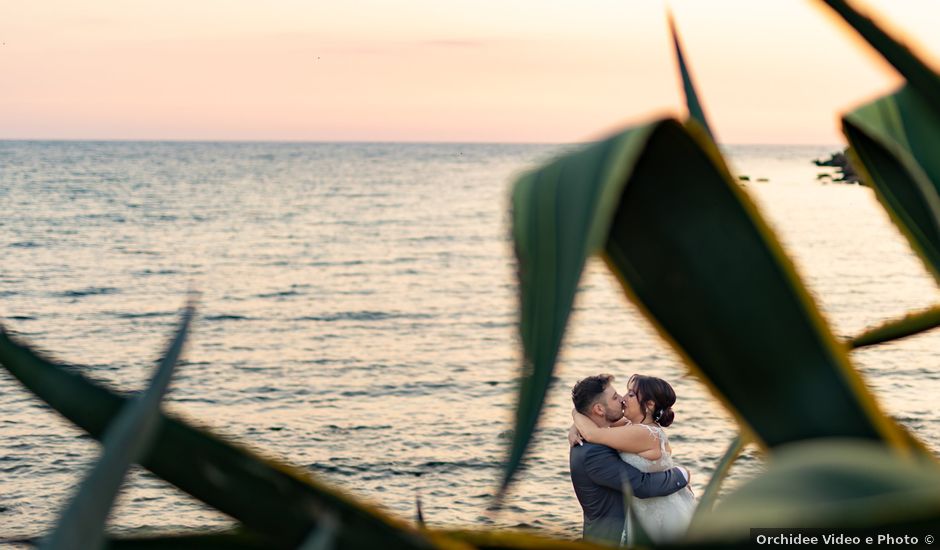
364, 316
148, 272
282, 294
227, 317
358, 428
90, 291
380, 470
145, 315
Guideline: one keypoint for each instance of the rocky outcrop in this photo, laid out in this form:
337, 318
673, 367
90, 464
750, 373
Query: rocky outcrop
845, 172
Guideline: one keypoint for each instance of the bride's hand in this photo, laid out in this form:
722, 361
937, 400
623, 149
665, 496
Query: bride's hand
688, 478
574, 436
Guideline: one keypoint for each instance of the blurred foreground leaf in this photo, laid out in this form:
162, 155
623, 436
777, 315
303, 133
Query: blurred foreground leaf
895, 140
635, 534
270, 498
323, 536
916, 72
694, 105
509, 540
236, 540
833, 484
125, 442
914, 323
707, 501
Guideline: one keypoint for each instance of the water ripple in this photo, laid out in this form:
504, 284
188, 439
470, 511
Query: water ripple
90, 291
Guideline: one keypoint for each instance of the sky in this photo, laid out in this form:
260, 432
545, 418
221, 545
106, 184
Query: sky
768, 71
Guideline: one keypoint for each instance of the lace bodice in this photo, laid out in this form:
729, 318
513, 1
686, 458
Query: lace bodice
664, 462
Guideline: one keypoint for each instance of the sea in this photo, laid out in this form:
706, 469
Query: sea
357, 318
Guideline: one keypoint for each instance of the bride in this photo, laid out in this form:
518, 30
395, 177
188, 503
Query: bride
642, 443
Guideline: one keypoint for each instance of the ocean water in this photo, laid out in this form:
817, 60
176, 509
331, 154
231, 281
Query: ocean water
357, 317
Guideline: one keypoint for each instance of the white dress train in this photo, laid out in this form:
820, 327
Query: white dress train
664, 519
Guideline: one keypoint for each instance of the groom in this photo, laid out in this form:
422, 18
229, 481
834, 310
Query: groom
597, 472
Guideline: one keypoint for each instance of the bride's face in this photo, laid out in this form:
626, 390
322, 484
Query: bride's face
631, 406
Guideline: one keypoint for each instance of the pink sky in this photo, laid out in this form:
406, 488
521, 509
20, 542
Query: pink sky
769, 71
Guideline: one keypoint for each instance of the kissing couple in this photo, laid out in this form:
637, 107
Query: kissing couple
618, 440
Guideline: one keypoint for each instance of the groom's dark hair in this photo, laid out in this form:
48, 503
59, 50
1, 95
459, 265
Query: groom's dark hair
586, 391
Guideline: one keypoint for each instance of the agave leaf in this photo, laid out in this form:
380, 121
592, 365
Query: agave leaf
692, 251
920, 77
914, 323
267, 497
707, 501
126, 440
551, 250
502, 540
509, 540
893, 139
235, 539
835, 484
481, 539
636, 534
696, 112
323, 536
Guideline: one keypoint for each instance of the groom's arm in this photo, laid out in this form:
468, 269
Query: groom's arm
604, 467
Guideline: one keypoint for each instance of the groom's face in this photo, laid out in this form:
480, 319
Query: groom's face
613, 404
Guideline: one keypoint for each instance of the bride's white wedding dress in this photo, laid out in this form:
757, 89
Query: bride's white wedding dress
665, 518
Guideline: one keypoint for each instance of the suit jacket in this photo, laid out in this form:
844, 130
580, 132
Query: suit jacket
597, 474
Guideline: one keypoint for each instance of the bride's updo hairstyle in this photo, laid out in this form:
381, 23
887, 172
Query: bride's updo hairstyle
657, 390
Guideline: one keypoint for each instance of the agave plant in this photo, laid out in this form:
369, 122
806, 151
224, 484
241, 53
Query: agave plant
125, 442
278, 505
658, 203
892, 139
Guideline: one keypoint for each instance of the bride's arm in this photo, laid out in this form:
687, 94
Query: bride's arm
628, 439
622, 422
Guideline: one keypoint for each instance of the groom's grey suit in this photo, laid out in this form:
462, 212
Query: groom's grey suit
598, 474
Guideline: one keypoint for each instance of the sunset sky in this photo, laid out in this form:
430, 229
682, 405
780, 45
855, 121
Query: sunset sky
769, 71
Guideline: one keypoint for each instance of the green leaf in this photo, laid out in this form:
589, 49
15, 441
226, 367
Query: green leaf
323, 536
692, 251
914, 323
707, 501
920, 77
268, 497
636, 534
893, 139
835, 484
696, 112
235, 540
510, 540
126, 440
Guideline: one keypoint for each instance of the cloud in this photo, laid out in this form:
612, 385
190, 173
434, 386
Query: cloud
454, 43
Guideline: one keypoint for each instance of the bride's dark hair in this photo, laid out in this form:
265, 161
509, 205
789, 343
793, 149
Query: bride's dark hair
657, 390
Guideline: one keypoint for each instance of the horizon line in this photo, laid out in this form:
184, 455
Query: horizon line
374, 142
